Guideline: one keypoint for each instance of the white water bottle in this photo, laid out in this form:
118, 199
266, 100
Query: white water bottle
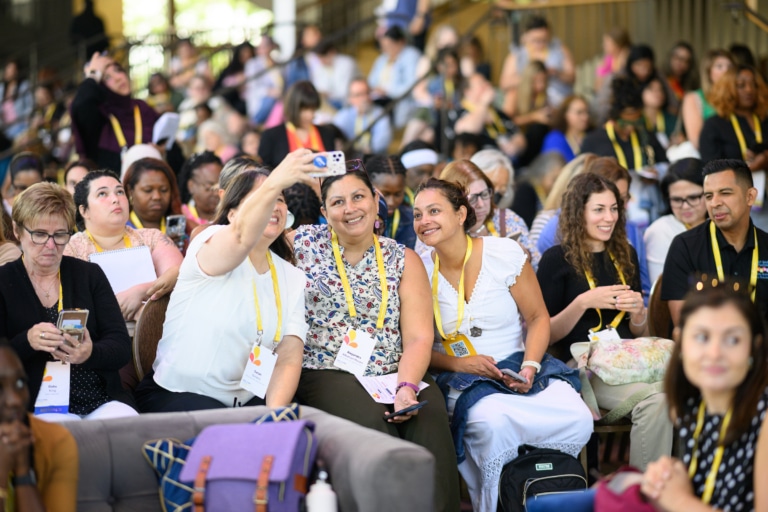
321, 497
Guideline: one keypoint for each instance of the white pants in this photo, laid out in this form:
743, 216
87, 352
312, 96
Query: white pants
651, 434
107, 411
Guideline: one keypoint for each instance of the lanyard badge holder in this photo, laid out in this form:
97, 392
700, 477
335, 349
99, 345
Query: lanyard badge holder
357, 346
261, 361
454, 344
610, 333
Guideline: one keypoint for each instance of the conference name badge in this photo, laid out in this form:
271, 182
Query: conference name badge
607, 334
258, 370
355, 352
54, 389
458, 345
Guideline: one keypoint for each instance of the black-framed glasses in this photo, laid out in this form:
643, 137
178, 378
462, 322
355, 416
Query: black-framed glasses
41, 237
692, 200
484, 195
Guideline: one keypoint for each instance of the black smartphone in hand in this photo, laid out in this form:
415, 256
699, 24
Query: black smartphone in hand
408, 409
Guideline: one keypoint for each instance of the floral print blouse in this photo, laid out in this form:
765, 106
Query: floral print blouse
326, 307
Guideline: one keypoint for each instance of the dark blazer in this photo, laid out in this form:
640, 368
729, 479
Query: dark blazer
274, 143
84, 286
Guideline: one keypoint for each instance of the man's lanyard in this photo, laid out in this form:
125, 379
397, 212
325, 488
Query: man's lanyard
126, 241
740, 134
294, 143
345, 281
120, 136
138, 224
276, 289
496, 126
719, 260
362, 122
592, 285
436, 301
620, 156
709, 484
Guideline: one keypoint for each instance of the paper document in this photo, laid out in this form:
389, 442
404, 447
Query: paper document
382, 387
126, 268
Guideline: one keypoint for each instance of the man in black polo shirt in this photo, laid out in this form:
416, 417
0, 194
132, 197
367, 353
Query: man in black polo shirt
729, 195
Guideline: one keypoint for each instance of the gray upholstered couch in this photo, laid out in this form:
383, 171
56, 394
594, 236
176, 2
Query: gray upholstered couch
370, 471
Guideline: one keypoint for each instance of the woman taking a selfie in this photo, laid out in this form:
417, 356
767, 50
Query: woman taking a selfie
236, 287
42, 283
717, 387
369, 310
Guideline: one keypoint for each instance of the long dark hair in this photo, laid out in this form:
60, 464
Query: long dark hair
680, 390
237, 191
137, 169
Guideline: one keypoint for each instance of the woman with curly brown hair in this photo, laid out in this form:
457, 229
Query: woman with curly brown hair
592, 281
740, 98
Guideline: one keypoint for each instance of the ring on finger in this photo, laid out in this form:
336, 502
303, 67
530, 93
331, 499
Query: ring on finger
42, 334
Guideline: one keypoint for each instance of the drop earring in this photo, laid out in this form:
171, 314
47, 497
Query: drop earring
289, 220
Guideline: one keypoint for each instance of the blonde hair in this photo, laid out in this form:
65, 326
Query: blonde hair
568, 172
44, 200
525, 95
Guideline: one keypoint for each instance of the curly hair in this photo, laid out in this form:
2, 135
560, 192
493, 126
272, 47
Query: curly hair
572, 228
723, 95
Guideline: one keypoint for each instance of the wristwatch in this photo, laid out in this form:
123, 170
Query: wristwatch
26, 479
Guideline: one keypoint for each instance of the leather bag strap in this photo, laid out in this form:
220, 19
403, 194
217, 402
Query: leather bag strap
262, 484
198, 495
503, 222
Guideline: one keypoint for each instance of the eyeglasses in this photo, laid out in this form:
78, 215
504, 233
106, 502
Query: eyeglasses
41, 237
692, 200
484, 195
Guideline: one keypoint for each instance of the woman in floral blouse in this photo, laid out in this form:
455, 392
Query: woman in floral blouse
359, 327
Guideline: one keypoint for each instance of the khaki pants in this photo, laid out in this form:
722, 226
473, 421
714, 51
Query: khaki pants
651, 435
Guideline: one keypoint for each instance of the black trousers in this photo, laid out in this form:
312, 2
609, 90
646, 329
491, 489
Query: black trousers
339, 393
151, 397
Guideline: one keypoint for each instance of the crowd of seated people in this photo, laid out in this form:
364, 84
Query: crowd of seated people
481, 225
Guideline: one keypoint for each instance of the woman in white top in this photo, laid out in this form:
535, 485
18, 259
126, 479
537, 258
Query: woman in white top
238, 303
682, 189
482, 335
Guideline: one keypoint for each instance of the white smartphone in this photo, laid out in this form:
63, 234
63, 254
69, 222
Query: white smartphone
330, 163
514, 375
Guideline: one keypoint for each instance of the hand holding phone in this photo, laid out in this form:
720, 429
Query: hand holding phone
407, 410
330, 163
514, 375
73, 322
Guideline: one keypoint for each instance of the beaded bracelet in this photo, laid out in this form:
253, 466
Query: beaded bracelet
402, 385
532, 364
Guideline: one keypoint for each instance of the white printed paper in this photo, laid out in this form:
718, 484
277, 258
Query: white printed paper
54, 389
382, 387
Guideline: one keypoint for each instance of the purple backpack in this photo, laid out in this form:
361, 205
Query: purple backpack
251, 467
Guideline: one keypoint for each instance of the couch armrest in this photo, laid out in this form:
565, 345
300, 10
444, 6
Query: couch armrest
372, 471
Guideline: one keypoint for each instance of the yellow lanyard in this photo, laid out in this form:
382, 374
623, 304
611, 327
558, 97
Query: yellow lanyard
620, 156
491, 229
276, 289
120, 136
126, 241
719, 260
496, 127
436, 301
592, 285
138, 225
410, 195
49, 111
661, 125
61, 290
395, 223
345, 281
361, 124
740, 134
449, 91
709, 484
